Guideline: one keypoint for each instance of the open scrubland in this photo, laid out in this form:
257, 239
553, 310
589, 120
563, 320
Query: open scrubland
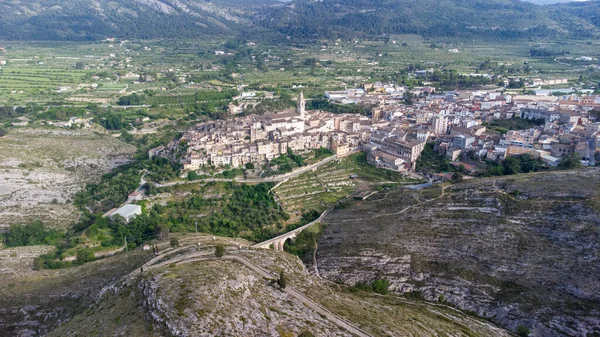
187, 291
42, 169
519, 251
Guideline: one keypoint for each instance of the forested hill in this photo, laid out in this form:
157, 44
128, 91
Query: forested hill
467, 18
589, 11
147, 19
143, 19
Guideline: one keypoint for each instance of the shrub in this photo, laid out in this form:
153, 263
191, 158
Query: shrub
193, 176
281, 282
361, 286
380, 286
174, 242
38, 263
92, 231
442, 299
306, 334
85, 255
414, 295
523, 331
219, 251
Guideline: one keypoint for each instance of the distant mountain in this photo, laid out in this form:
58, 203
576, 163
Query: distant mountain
469, 18
147, 19
587, 10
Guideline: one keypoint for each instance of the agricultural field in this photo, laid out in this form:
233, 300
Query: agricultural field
96, 72
330, 183
23, 81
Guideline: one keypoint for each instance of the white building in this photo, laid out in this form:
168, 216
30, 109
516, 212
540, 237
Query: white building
128, 212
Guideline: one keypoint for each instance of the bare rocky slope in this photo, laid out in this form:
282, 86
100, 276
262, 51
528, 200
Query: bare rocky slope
189, 292
42, 169
519, 250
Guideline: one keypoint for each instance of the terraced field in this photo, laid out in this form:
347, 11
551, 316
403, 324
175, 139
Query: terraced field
322, 188
316, 190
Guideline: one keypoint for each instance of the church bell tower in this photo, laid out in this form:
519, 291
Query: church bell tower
301, 105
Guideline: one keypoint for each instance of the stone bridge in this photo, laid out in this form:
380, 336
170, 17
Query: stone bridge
277, 242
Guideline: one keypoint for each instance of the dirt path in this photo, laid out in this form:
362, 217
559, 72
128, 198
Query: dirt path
318, 308
402, 210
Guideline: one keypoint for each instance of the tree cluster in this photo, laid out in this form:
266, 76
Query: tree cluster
31, 234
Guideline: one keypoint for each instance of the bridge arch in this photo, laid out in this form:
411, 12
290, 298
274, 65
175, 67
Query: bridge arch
288, 240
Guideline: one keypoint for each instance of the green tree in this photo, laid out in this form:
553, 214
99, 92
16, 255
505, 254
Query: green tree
92, 231
219, 251
2, 132
281, 282
511, 165
192, 175
174, 242
79, 65
30, 234
457, 176
572, 161
85, 255
408, 98
380, 286
112, 122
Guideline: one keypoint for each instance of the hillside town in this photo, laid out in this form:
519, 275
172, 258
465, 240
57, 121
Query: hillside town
460, 125
258, 139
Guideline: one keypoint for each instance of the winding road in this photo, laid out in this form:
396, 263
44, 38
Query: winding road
278, 178
206, 255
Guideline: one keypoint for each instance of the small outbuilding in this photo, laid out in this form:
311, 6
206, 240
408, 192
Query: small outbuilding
128, 212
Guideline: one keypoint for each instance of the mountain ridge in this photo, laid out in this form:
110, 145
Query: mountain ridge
149, 19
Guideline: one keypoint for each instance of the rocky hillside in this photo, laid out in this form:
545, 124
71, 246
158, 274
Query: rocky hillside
36, 302
145, 19
521, 250
42, 169
189, 292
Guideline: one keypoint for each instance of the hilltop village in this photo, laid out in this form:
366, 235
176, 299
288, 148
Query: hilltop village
460, 125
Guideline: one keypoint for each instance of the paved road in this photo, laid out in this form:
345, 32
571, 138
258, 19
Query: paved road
592, 146
277, 178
